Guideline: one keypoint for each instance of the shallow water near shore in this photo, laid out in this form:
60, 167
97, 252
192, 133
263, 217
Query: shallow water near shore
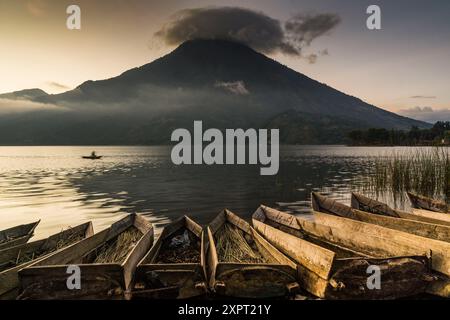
56, 185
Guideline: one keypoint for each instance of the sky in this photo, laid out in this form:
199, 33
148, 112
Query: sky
404, 67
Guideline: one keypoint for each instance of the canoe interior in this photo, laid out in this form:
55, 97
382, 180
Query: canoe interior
367, 204
226, 221
326, 273
21, 254
175, 266
107, 261
17, 235
422, 202
180, 242
18, 257
245, 277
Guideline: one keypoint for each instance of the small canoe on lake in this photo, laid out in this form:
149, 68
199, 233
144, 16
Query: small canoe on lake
333, 263
92, 157
106, 261
241, 263
421, 202
175, 265
18, 257
17, 235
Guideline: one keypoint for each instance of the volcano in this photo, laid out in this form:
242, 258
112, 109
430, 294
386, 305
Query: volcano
222, 83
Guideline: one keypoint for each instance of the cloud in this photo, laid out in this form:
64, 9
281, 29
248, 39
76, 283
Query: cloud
423, 97
312, 58
237, 87
9, 106
302, 29
252, 28
427, 114
57, 85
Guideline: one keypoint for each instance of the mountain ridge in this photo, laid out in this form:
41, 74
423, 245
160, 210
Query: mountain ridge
29, 94
223, 83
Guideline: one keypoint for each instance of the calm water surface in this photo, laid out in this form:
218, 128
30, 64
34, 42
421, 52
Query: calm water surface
56, 185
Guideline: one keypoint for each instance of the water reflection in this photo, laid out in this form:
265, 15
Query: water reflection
54, 184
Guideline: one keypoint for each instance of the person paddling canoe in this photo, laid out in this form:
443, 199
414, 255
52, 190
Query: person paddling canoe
93, 156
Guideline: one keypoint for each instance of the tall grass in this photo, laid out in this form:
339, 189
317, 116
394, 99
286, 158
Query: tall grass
423, 170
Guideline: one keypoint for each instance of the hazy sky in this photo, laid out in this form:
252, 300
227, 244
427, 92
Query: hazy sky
403, 66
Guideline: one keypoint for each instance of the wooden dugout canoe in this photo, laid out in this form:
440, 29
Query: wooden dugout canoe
17, 235
175, 265
275, 277
443, 218
421, 202
333, 264
398, 243
368, 210
373, 206
405, 241
48, 278
363, 203
31, 252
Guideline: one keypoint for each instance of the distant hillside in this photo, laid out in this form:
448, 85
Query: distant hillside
225, 84
27, 94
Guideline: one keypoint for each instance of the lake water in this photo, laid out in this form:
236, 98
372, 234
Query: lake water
56, 185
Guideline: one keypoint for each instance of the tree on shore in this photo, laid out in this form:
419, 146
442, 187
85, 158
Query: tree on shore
437, 135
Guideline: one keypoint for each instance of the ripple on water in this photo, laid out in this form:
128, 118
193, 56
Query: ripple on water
54, 184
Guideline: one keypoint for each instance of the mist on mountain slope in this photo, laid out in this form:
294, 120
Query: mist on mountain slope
144, 105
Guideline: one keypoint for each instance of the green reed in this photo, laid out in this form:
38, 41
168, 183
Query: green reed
423, 170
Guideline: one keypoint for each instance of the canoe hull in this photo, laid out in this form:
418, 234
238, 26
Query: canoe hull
249, 280
19, 235
48, 278
9, 279
172, 280
421, 202
400, 242
371, 214
443, 218
322, 273
242, 280
366, 204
